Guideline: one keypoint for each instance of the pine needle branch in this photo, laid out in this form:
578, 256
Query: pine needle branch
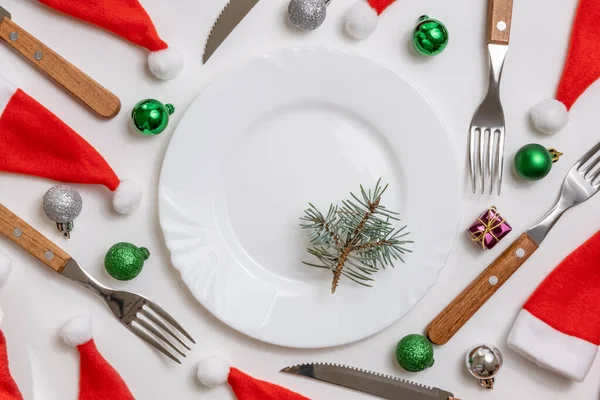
356, 239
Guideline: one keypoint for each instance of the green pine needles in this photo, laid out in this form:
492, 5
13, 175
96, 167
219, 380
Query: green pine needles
355, 239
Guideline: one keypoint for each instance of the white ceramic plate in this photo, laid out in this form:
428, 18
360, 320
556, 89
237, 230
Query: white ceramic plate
286, 129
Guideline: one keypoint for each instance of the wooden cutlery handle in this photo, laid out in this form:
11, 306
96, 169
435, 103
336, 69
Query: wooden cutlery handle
31, 240
499, 19
84, 88
466, 304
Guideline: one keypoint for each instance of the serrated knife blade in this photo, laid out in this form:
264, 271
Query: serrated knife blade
233, 13
385, 386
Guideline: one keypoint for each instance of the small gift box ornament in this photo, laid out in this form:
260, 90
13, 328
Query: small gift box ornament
489, 229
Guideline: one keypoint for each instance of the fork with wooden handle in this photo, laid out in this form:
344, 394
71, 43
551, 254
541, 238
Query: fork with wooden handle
581, 183
141, 316
81, 86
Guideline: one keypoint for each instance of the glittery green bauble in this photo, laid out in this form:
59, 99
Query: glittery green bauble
124, 261
414, 353
430, 36
151, 117
533, 161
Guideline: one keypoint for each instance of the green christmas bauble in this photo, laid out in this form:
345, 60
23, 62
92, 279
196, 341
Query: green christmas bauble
151, 117
414, 353
533, 161
430, 36
124, 261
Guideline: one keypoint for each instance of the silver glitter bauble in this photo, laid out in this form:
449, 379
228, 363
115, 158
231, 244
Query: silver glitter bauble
62, 204
307, 14
484, 362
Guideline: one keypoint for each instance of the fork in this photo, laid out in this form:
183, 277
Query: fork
487, 131
141, 316
580, 184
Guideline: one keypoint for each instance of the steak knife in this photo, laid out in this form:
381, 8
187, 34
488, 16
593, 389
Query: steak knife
233, 13
384, 386
81, 86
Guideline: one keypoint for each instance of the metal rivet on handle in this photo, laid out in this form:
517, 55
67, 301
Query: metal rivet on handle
13, 36
493, 280
520, 253
501, 26
17, 233
49, 255
38, 55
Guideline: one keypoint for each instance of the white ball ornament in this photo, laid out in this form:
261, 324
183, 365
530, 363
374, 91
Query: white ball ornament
549, 116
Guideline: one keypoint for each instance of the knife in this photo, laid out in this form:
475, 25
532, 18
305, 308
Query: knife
81, 86
385, 386
233, 13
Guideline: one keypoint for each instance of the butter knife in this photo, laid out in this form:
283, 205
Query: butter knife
384, 386
81, 86
233, 13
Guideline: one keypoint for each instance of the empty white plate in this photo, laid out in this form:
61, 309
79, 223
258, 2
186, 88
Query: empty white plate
286, 129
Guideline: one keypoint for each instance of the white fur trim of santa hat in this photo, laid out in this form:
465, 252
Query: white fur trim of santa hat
165, 64
77, 331
213, 368
5, 268
549, 116
549, 348
127, 197
361, 20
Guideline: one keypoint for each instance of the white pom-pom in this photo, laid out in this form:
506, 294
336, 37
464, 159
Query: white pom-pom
165, 64
128, 197
5, 268
361, 20
549, 116
77, 331
213, 369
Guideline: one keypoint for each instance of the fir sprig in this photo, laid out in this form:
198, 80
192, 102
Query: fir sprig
355, 239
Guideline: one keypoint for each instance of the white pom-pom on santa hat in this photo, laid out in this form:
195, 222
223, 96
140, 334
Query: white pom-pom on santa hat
363, 17
77, 331
5, 268
213, 368
127, 197
361, 20
549, 116
165, 64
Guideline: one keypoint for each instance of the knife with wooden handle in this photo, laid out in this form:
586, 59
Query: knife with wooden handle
89, 92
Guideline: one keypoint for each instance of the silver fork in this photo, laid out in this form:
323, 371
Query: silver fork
581, 183
487, 131
141, 316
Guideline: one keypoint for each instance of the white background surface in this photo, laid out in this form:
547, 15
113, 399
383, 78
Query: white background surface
37, 302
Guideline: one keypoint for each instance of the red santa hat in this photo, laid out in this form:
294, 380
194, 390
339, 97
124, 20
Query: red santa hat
582, 69
128, 19
33, 141
215, 370
97, 378
559, 326
363, 17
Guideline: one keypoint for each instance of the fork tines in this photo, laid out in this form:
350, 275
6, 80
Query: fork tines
154, 325
587, 164
486, 158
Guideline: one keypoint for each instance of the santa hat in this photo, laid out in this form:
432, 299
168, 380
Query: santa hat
33, 141
363, 17
128, 19
8, 387
559, 326
582, 68
97, 378
215, 370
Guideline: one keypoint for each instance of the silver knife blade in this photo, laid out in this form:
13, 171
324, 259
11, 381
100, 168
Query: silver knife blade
233, 13
385, 386
4, 14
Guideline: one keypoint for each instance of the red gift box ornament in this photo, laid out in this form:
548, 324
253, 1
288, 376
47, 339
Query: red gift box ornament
489, 229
